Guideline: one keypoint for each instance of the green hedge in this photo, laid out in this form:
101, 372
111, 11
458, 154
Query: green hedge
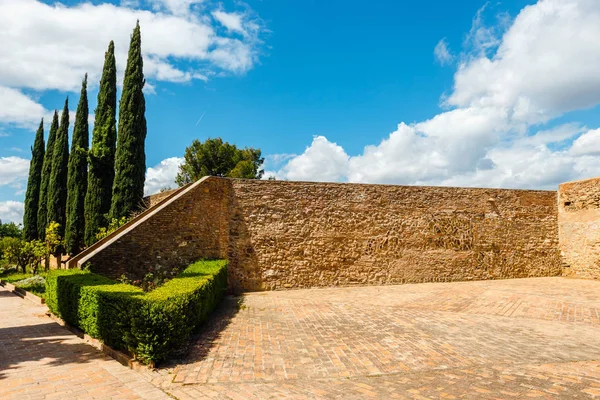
124, 317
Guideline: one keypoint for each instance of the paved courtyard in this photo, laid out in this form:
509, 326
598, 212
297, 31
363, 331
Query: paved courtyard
523, 338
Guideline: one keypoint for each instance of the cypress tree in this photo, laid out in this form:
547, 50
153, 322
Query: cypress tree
42, 217
101, 157
130, 161
57, 189
32, 196
77, 176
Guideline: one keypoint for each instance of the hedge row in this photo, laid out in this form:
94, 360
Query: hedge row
124, 317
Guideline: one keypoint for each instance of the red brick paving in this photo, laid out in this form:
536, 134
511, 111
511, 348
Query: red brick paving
486, 340
525, 338
39, 359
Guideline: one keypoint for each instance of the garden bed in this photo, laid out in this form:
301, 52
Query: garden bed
25, 285
123, 316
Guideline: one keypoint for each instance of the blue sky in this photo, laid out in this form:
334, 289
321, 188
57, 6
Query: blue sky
467, 93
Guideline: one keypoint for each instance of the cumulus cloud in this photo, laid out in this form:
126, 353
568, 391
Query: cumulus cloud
11, 211
18, 109
587, 144
321, 161
513, 78
51, 46
162, 175
13, 170
544, 66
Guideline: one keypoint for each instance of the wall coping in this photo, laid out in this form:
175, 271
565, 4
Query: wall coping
566, 184
85, 255
291, 182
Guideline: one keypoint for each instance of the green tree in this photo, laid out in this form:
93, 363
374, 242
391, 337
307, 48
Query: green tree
42, 217
130, 160
101, 157
57, 189
10, 229
217, 158
77, 177
32, 196
52, 243
21, 253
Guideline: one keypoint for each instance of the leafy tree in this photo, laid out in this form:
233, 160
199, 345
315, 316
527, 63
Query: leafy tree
101, 157
217, 158
57, 190
77, 177
130, 160
42, 217
21, 253
52, 242
32, 196
10, 229
112, 226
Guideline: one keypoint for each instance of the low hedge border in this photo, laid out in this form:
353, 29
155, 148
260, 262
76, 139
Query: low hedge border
148, 325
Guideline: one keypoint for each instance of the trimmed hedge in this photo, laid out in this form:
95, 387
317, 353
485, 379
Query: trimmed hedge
126, 318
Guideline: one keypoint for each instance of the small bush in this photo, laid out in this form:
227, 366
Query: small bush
36, 285
124, 317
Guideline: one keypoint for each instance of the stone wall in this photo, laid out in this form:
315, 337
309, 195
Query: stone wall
151, 201
298, 234
279, 234
579, 227
191, 225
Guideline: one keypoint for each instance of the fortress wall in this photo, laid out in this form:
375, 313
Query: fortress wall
299, 234
279, 234
190, 225
579, 227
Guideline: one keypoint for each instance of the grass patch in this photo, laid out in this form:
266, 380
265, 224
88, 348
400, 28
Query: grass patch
15, 277
27, 281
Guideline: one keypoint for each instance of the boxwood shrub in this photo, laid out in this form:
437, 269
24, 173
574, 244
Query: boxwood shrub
124, 317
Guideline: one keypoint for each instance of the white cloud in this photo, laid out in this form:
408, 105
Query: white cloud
544, 64
18, 109
587, 144
162, 175
13, 170
52, 46
11, 211
177, 7
321, 161
442, 52
231, 21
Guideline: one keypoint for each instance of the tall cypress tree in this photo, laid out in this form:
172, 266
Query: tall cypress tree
130, 161
77, 176
57, 189
32, 196
42, 217
101, 157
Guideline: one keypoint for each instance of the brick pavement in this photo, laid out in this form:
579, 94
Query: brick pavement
524, 338
491, 339
39, 359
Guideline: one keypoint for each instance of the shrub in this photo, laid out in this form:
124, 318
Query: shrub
35, 284
113, 225
124, 317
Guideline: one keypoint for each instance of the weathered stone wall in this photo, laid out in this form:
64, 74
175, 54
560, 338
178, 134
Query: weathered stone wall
279, 234
298, 234
192, 226
152, 200
579, 227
